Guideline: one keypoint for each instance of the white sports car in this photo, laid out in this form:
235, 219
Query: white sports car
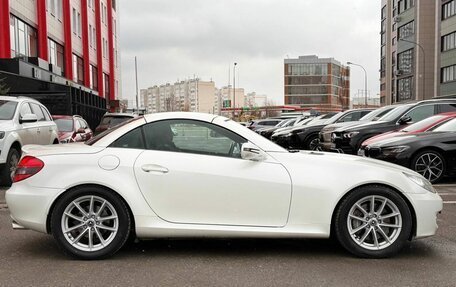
201, 175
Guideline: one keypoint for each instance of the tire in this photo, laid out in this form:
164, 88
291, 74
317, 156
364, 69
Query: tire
364, 233
10, 166
98, 233
313, 143
430, 164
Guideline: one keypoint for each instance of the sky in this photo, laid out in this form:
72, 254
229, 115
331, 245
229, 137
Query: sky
181, 39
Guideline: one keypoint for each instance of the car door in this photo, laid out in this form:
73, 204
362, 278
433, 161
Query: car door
192, 172
28, 131
43, 128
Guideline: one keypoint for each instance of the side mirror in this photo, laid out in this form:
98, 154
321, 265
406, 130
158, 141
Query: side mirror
80, 131
28, 118
252, 152
405, 120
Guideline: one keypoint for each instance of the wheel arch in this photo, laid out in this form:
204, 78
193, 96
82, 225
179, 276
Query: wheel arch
401, 194
51, 209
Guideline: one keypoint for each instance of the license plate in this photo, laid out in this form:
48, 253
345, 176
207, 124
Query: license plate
361, 152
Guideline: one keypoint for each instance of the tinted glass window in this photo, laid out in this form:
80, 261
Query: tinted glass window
46, 114
133, 139
192, 137
64, 125
7, 110
377, 114
420, 113
114, 120
445, 108
38, 112
83, 123
395, 114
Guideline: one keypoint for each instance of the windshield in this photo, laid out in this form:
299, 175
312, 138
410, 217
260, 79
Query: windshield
423, 124
7, 109
64, 125
108, 131
334, 118
111, 121
449, 126
377, 114
395, 113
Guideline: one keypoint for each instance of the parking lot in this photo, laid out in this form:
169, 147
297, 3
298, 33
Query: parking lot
29, 258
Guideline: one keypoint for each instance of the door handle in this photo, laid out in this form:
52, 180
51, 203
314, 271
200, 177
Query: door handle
38, 130
154, 168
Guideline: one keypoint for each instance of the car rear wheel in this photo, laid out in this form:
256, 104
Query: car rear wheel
9, 169
430, 164
373, 222
90, 223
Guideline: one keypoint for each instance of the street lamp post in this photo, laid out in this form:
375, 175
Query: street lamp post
365, 81
234, 88
424, 63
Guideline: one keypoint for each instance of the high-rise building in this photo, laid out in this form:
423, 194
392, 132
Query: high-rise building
319, 83
61, 46
190, 96
418, 58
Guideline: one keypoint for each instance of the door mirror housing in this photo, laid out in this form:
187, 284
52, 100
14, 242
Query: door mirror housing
405, 120
80, 131
251, 152
28, 118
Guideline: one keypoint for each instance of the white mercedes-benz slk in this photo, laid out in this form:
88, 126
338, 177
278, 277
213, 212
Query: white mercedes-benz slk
200, 175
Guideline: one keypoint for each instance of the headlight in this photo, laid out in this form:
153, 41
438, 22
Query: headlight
2, 135
421, 181
394, 150
350, 135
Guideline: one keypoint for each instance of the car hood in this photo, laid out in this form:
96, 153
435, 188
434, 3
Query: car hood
384, 136
411, 138
70, 148
363, 125
345, 125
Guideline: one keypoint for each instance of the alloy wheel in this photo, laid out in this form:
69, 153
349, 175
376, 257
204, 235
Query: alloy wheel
315, 144
13, 162
374, 222
89, 223
429, 165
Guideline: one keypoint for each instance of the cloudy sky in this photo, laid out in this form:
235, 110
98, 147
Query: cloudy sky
180, 39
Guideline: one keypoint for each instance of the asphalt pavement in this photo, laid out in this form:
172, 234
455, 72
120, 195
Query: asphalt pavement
28, 258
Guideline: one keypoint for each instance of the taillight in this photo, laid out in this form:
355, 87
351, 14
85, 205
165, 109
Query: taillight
27, 167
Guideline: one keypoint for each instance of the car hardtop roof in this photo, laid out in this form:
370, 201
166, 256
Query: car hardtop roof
66, 116
181, 115
437, 100
120, 115
18, 99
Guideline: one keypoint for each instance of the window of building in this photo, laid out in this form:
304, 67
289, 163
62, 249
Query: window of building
394, 41
24, 40
405, 5
393, 58
383, 29
90, 35
93, 77
406, 30
449, 42
448, 74
394, 27
384, 12
78, 70
94, 40
404, 89
106, 85
383, 51
51, 5
56, 54
79, 25
74, 21
405, 61
448, 9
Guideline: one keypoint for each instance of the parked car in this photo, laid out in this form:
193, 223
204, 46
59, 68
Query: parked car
307, 137
325, 134
110, 120
72, 129
431, 154
421, 126
267, 132
22, 121
138, 178
348, 140
266, 123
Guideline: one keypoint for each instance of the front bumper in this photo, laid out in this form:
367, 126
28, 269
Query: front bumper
427, 207
29, 206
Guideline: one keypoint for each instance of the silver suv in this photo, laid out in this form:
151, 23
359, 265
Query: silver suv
22, 121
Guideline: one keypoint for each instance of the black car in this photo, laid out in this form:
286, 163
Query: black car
349, 139
431, 153
306, 137
325, 133
267, 132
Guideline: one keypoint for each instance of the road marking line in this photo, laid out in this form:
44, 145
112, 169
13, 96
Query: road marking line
450, 202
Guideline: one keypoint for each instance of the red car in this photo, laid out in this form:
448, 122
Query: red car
421, 126
72, 129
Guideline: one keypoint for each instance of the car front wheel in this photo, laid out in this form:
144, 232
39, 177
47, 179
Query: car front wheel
90, 223
9, 169
373, 222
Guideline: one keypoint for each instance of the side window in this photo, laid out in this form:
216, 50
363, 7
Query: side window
347, 118
363, 113
190, 136
38, 112
133, 139
445, 108
77, 125
422, 112
46, 114
83, 123
25, 109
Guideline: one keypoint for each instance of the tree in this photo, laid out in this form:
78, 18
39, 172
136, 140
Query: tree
3, 87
